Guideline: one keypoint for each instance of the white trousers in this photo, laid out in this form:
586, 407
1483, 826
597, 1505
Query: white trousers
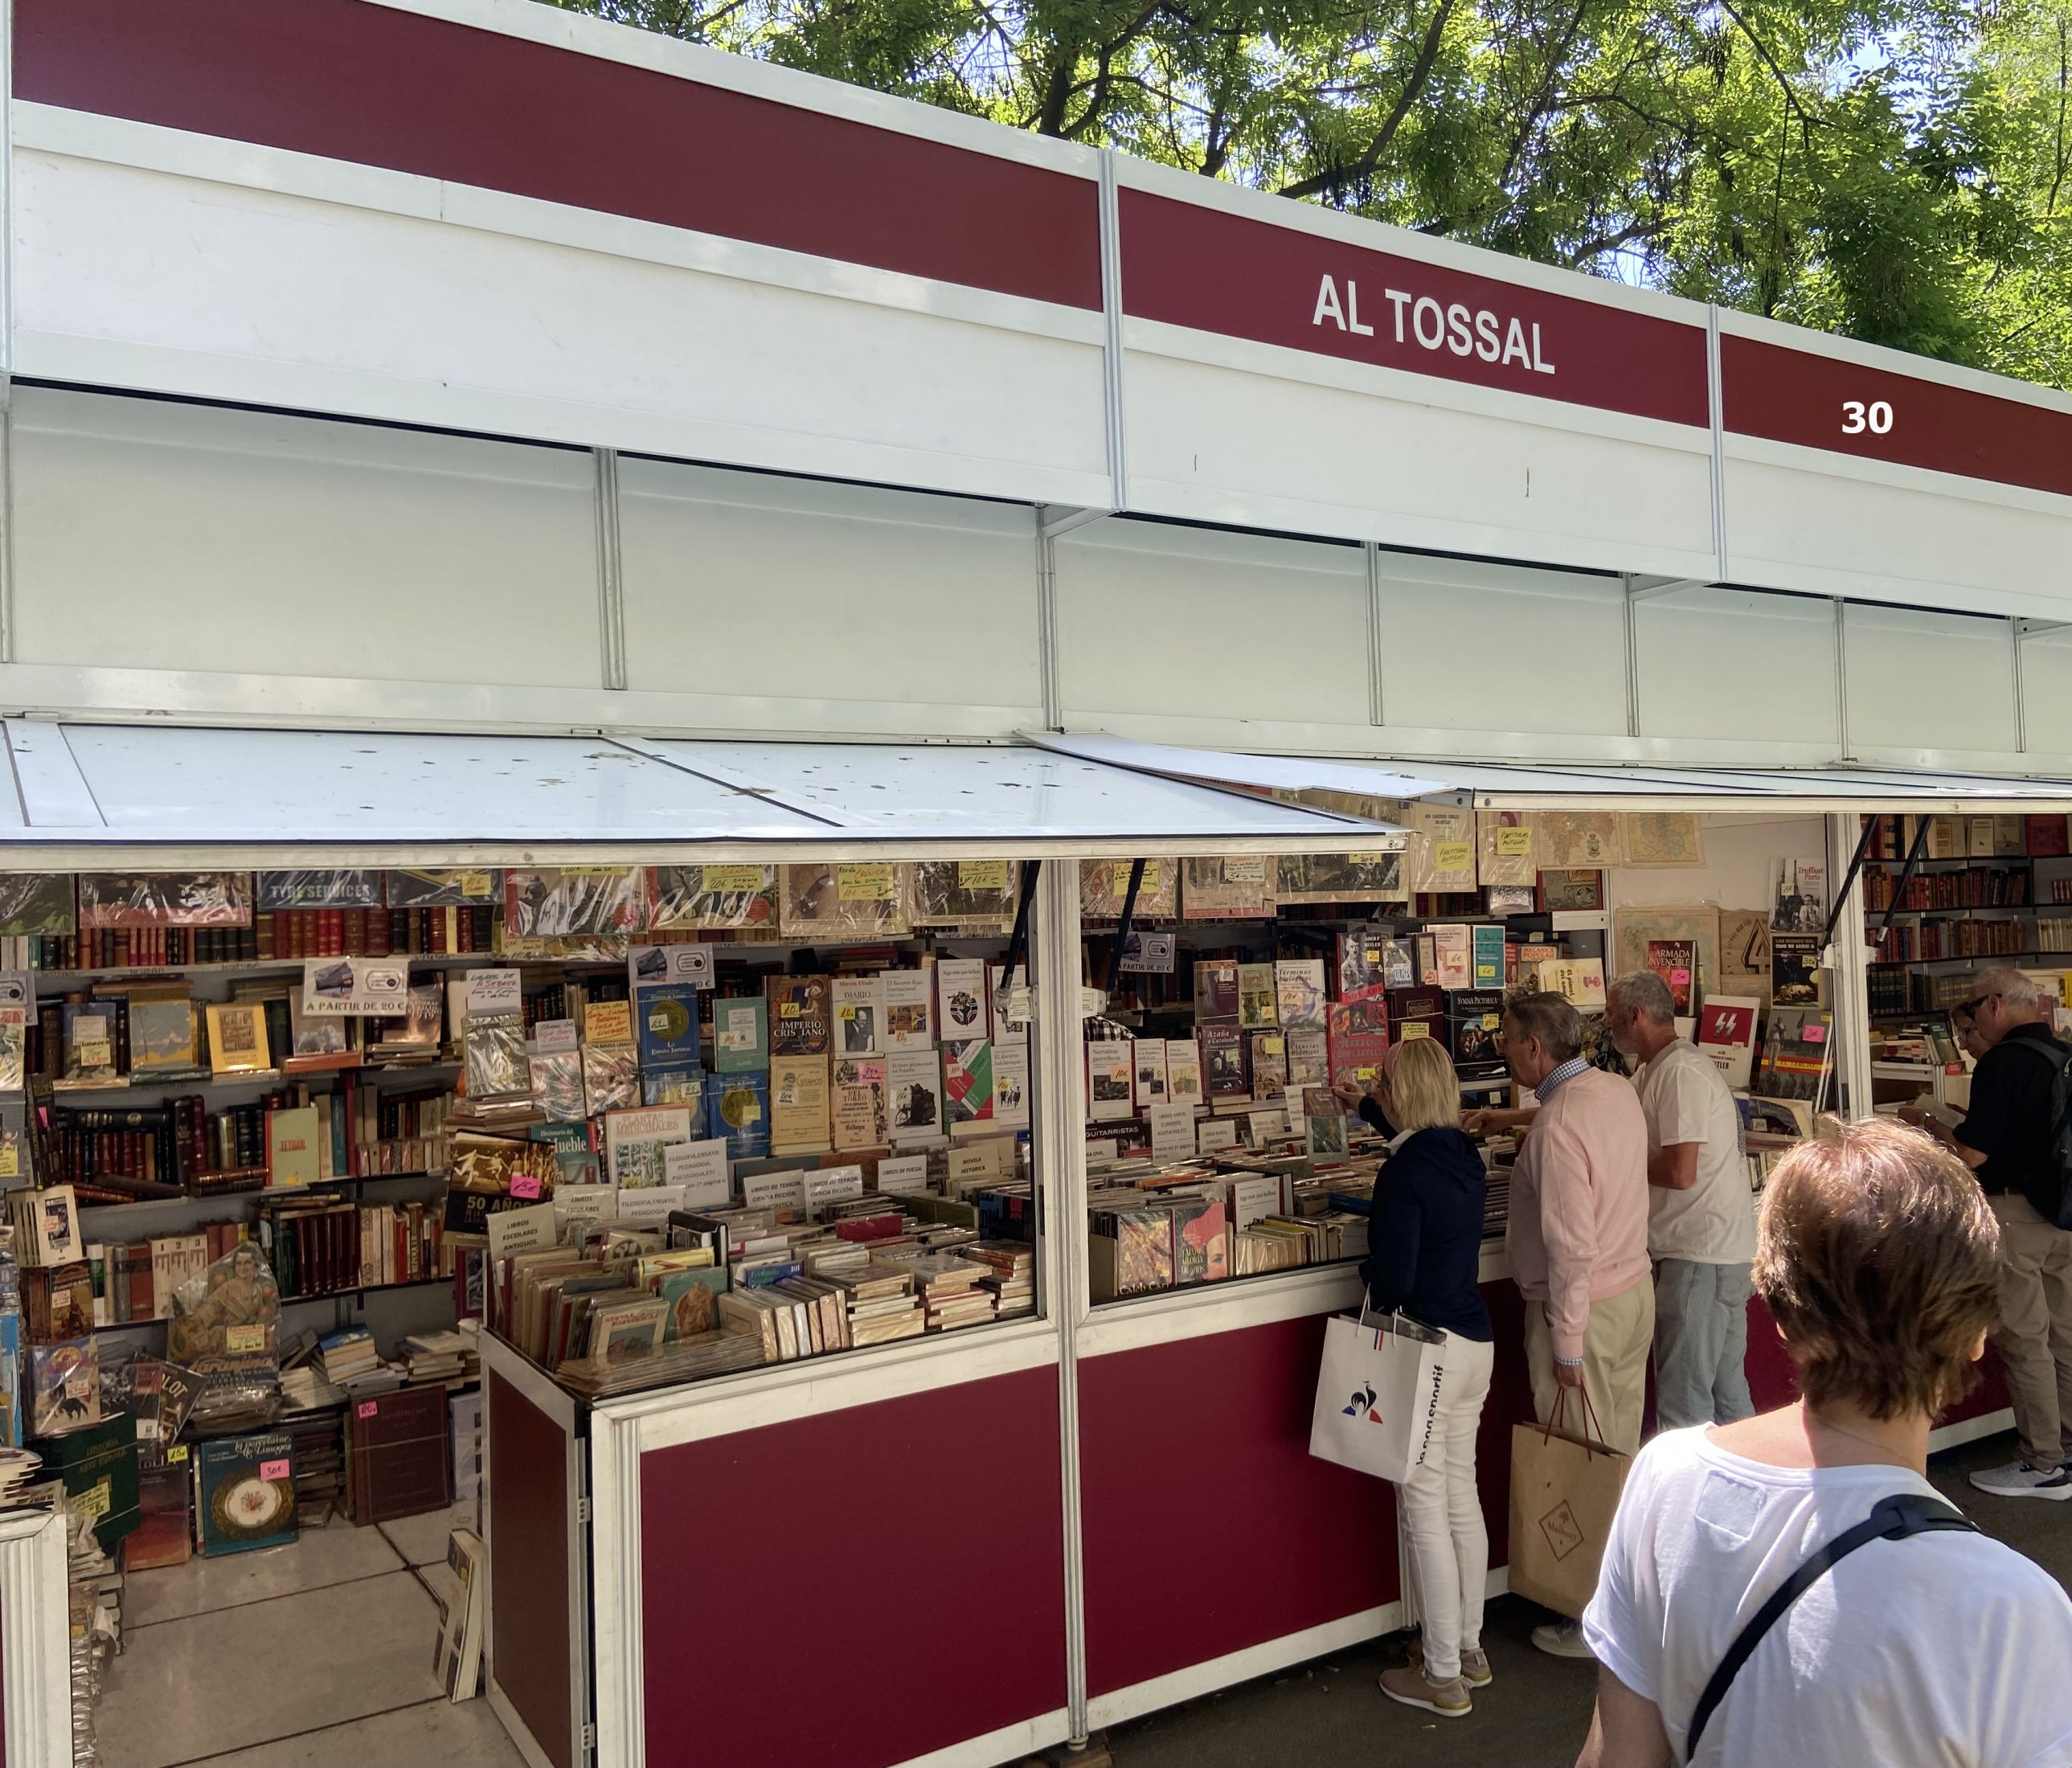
1442, 1517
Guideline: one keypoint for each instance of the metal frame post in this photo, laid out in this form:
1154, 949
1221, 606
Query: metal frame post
610, 574
1851, 973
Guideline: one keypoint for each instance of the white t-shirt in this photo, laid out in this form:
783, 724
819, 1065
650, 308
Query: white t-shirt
1687, 1101
1944, 1650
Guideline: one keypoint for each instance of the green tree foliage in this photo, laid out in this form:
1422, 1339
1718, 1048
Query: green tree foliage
1897, 170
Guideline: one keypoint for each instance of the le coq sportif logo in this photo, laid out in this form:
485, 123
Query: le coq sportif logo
1363, 1405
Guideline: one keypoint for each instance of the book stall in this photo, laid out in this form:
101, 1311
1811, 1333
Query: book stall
738, 930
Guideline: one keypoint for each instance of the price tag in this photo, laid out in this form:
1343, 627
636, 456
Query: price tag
93, 1501
1452, 856
1514, 843
1415, 1028
982, 874
242, 1340
526, 1185
176, 1454
731, 880
1238, 871
864, 883
277, 1469
367, 1408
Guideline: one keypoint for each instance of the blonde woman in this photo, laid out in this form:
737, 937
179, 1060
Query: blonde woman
1427, 1237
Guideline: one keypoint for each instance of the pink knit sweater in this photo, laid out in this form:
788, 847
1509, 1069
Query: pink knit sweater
1578, 1228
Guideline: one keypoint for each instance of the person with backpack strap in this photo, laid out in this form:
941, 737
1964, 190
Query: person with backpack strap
2018, 1138
1789, 1587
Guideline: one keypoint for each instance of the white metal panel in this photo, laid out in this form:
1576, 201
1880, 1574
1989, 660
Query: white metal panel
1223, 430
1927, 681
152, 534
1260, 773
2046, 666
1210, 633
1722, 664
355, 292
930, 790
782, 589
202, 785
1467, 646
1800, 520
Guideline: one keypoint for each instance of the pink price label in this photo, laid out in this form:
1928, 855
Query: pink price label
367, 1409
274, 1470
524, 1185
1815, 1034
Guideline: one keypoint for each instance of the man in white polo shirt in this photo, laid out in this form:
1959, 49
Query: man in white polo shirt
1701, 1212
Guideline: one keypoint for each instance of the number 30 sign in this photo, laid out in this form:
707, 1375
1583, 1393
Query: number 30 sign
1857, 417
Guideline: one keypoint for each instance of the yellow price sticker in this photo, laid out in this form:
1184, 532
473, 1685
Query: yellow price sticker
240, 1340
1453, 856
176, 1454
982, 874
1514, 843
1415, 1028
864, 882
726, 880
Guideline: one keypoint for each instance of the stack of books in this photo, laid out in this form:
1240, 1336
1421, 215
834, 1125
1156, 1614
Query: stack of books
950, 1291
347, 1354
882, 1303
1010, 1278
440, 1356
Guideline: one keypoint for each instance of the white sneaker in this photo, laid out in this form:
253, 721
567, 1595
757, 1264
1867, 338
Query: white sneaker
1563, 1639
2021, 1479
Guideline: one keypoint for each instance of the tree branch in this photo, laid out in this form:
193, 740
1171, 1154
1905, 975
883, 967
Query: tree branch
1421, 72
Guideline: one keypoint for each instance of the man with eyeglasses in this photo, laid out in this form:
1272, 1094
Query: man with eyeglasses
2006, 1138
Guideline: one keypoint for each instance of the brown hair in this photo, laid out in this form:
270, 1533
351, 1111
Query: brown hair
1880, 1260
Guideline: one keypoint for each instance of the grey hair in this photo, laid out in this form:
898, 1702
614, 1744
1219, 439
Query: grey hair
1550, 1017
2009, 984
1647, 993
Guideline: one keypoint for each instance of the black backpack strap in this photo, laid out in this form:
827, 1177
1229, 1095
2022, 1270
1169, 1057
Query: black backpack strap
1894, 1519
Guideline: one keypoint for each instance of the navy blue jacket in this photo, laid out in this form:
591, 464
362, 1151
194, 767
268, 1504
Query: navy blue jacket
1425, 1236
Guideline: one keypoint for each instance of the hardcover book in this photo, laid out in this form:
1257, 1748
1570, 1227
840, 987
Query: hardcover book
237, 1038
1419, 1006
1794, 969
1675, 961
960, 1003
1726, 1033
1269, 1064
1010, 1085
247, 1488
1473, 1018
737, 1112
667, 1021
798, 1010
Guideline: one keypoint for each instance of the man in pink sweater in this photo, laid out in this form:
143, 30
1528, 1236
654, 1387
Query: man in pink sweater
1577, 1236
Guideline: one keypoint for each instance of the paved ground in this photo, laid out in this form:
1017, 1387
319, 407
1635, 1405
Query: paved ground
1328, 1714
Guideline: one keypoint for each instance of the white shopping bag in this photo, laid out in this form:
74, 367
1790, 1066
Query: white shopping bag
1377, 1394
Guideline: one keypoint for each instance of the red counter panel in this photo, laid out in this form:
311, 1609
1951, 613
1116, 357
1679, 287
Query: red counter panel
526, 1476
1771, 1385
891, 1576
1208, 1527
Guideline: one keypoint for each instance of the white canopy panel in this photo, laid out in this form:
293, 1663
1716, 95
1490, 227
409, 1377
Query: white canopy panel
159, 787
1606, 786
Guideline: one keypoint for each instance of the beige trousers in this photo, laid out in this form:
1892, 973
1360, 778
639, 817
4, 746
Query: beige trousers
2034, 1336
1615, 1346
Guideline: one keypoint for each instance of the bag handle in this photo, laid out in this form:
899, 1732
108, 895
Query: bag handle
1593, 1436
1894, 1519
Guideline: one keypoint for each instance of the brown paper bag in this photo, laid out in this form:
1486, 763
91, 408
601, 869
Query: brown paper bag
1565, 1490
